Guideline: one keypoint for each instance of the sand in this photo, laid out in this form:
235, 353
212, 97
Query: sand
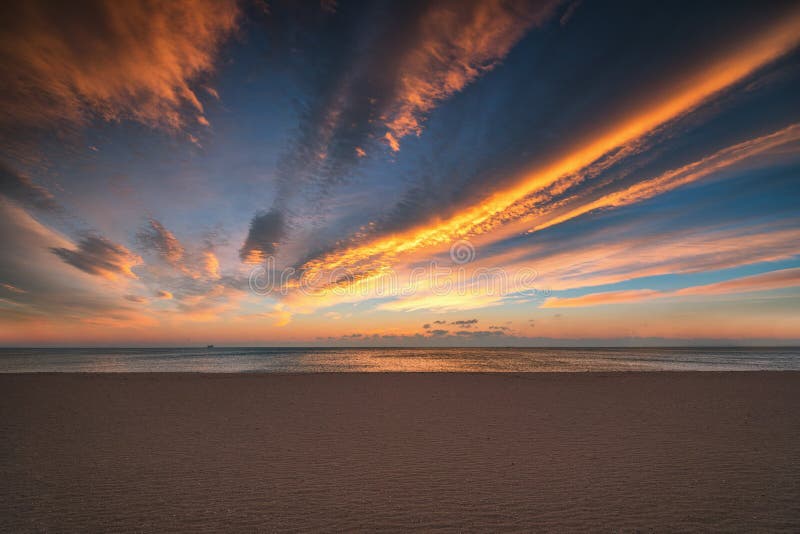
456, 452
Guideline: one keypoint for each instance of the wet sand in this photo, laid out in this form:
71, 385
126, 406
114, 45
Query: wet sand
457, 452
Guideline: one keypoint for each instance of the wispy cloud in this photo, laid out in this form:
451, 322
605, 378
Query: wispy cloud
781, 279
672, 179
20, 188
456, 43
382, 86
164, 242
138, 61
154, 238
506, 205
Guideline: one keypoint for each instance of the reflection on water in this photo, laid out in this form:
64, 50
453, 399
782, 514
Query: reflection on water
303, 360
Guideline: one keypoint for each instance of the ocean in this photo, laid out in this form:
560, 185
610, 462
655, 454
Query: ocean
313, 360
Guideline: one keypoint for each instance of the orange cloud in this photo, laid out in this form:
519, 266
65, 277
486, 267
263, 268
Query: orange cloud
115, 60
678, 98
678, 177
210, 264
747, 284
537, 270
458, 42
279, 316
781, 279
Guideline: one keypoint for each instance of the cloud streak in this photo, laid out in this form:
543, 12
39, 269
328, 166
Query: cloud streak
782, 279
21, 189
503, 206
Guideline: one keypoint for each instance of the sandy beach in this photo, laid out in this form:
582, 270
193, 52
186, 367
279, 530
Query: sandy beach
456, 452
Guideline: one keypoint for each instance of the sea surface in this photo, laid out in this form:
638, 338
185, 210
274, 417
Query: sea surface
310, 360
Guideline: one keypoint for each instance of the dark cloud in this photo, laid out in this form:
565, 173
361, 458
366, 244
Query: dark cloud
157, 238
266, 231
479, 333
439, 332
135, 298
21, 189
98, 256
468, 323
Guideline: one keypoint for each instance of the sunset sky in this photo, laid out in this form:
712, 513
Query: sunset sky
399, 173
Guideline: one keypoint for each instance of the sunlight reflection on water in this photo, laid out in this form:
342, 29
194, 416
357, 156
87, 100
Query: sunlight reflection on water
301, 360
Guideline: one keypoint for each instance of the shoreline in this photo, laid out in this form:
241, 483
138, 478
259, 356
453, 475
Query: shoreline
402, 373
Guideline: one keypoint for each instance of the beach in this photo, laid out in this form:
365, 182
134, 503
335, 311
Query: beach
658, 451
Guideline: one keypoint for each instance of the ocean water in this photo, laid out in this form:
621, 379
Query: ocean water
309, 360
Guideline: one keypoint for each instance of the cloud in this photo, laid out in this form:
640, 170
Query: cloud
98, 256
780, 279
479, 333
20, 188
196, 264
156, 237
114, 60
594, 299
51, 298
210, 264
672, 179
374, 88
191, 276
585, 260
469, 323
279, 316
759, 282
512, 200
266, 231
11, 288
68, 302
456, 43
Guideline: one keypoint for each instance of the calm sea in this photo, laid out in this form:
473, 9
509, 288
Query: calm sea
303, 360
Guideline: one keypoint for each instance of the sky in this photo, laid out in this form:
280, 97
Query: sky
442, 173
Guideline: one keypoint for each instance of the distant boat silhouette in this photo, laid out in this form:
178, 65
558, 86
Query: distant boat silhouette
209, 346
